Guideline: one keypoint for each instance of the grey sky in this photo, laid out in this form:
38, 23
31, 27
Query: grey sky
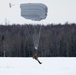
59, 11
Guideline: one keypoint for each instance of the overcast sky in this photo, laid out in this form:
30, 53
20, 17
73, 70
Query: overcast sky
59, 11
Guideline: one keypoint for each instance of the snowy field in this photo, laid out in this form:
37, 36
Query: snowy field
29, 66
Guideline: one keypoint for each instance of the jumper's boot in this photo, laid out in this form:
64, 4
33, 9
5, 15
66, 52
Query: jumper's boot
39, 61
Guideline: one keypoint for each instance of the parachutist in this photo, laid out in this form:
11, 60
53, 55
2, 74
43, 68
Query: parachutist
35, 56
10, 5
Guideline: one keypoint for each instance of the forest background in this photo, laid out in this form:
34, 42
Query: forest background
56, 40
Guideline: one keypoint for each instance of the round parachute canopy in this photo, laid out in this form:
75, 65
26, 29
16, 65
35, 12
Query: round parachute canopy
33, 11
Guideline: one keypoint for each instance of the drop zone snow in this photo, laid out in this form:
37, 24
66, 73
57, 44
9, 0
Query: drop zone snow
29, 66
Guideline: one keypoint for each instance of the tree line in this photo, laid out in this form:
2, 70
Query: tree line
56, 40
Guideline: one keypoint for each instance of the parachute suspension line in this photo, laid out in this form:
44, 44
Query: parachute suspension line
29, 34
36, 37
39, 35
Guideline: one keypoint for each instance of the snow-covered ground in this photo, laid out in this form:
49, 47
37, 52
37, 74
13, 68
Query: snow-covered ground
29, 66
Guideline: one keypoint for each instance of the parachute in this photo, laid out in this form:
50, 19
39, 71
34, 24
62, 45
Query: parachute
33, 11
